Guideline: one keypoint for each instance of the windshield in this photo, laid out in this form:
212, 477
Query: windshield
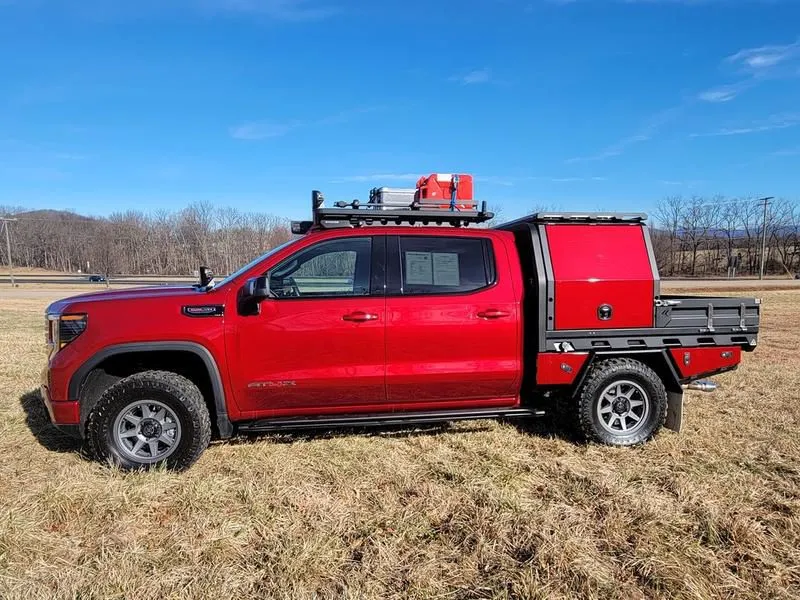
253, 263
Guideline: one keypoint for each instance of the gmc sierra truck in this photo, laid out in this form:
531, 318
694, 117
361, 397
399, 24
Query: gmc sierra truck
365, 320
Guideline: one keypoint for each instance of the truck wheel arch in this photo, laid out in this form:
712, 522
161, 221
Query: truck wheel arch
79, 378
661, 363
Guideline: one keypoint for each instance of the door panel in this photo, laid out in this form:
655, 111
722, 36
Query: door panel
446, 347
320, 344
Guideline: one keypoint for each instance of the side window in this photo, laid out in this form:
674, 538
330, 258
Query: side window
444, 265
328, 269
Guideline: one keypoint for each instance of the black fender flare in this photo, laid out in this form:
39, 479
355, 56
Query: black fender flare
220, 408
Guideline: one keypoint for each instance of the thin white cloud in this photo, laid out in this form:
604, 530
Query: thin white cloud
477, 76
264, 129
765, 59
787, 152
721, 94
649, 129
757, 65
771, 123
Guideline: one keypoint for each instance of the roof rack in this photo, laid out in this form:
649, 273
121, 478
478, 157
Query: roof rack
354, 214
575, 217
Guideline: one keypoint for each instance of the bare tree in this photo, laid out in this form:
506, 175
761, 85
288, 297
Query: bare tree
134, 242
107, 250
669, 215
783, 235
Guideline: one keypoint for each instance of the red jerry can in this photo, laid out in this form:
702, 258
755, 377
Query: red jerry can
436, 191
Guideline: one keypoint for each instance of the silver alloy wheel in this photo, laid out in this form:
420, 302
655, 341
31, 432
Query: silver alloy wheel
147, 431
623, 407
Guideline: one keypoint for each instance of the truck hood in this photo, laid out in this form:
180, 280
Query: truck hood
129, 294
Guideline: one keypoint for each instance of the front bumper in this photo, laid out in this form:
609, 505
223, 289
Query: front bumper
64, 415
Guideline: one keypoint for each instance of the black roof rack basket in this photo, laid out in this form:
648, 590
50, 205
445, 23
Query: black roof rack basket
355, 214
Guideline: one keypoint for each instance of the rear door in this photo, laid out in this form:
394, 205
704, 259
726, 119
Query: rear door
452, 330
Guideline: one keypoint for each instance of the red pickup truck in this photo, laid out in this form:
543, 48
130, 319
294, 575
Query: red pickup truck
362, 321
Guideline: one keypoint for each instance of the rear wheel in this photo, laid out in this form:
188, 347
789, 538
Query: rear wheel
149, 419
622, 403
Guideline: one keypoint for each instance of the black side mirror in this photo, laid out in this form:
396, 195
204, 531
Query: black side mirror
257, 287
206, 276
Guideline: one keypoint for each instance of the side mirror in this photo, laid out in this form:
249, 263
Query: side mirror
206, 276
257, 287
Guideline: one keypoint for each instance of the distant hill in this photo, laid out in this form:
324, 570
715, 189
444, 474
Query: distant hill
55, 215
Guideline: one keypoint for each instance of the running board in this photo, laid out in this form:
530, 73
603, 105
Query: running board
377, 419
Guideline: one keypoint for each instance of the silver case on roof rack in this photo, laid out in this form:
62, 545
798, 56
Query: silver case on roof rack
384, 198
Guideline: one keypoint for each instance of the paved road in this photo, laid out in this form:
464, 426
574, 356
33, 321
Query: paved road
22, 279
731, 284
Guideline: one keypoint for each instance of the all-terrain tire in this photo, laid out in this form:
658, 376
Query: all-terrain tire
623, 402
151, 406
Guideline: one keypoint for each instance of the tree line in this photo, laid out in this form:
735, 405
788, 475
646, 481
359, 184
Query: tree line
701, 237
159, 243
692, 236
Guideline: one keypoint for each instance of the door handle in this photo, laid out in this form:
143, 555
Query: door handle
360, 316
493, 313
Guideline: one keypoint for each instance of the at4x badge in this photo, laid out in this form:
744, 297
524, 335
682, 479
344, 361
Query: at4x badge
204, 310
256, 385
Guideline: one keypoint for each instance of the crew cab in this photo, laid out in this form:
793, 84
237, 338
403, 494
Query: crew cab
365, 320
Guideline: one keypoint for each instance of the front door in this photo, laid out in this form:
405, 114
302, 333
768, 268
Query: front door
453, 331
317, 345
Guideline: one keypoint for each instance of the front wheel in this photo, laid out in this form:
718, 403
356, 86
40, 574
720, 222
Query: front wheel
623, 402
148, 419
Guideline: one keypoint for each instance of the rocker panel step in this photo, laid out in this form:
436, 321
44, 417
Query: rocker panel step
376, 419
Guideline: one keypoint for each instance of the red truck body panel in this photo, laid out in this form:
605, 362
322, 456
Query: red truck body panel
596, 265
692, 362
559, 368
137, 316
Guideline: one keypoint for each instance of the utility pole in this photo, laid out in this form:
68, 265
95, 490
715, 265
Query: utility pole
764, 235
6, 221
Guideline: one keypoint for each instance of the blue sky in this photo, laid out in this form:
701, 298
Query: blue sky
109, 105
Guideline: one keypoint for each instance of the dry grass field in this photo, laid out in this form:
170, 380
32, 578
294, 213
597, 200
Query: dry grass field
468, 511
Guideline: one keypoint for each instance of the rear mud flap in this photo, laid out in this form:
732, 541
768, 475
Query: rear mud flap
674, 411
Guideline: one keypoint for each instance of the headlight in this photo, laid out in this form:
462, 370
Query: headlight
70, 327
62, 329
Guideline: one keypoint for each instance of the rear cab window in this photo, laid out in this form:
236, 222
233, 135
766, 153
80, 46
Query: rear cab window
433, 265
